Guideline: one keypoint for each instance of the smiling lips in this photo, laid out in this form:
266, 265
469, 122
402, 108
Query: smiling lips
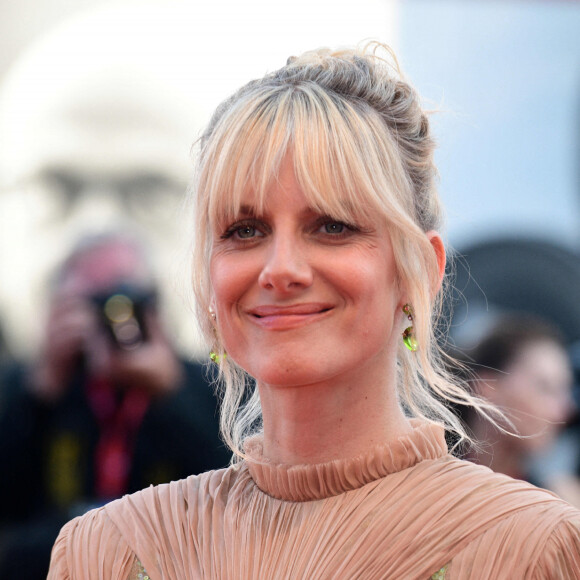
287, 317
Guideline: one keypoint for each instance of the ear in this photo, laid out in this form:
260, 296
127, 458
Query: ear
439, 247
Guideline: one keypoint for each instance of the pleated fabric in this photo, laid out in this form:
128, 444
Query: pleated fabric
403, 511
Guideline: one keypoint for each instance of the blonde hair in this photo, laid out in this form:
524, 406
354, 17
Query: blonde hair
361, 147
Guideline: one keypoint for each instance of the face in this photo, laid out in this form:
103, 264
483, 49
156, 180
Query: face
103, 268
537, 387
301, 298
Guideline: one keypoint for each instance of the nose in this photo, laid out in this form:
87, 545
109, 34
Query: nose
287, 266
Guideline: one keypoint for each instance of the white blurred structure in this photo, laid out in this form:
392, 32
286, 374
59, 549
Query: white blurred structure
98, 117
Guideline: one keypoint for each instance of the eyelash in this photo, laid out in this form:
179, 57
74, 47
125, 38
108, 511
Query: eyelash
320, 223
348, 228
236, 227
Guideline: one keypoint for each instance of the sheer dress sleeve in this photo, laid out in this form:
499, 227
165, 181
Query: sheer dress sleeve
533, 544
91, 548
560, 557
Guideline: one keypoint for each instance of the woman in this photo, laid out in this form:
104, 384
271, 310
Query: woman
317, 249
520, 364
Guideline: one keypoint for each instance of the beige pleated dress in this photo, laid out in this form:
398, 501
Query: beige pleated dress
405, 510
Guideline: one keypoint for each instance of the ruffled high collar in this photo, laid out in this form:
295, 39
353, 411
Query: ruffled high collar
318, 481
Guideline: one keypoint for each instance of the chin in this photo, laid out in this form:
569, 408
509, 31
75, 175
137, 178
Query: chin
285, 372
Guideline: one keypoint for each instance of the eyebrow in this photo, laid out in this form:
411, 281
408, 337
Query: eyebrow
247, 210
250, 212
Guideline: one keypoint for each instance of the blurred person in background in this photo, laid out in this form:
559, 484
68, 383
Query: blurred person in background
5, 354
107, 407
97, 119
521, 365
559, 465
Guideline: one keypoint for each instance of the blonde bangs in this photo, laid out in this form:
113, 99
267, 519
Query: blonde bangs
341, 160
243, 158
324, 166
343, 163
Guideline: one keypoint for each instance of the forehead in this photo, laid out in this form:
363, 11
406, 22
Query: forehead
283, 191
546, 359
295, 174
104, 266
335, 154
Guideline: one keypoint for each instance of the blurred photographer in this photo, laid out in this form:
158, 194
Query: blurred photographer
108, 407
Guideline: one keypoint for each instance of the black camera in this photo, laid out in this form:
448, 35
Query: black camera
122, 312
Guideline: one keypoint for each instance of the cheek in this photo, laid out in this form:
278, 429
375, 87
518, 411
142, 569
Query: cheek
228, 276
231, 279
219, 275
223, 283
361, 275
377, 287
373, 291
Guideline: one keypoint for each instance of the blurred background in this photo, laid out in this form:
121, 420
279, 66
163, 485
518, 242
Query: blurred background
505, 80
93, 88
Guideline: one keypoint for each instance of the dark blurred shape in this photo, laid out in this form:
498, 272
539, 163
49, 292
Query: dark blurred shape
107, 407
518, 275
522, 277
5, 354
515, 275
122, 313
521, 366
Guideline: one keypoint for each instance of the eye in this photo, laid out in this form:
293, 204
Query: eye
333, 228
244, 230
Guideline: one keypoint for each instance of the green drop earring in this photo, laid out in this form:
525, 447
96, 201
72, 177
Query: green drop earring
217, 358
408, 335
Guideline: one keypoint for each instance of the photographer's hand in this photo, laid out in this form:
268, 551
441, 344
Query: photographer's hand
152, 366
70, 325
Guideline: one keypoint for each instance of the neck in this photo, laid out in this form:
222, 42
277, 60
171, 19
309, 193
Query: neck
334, 419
